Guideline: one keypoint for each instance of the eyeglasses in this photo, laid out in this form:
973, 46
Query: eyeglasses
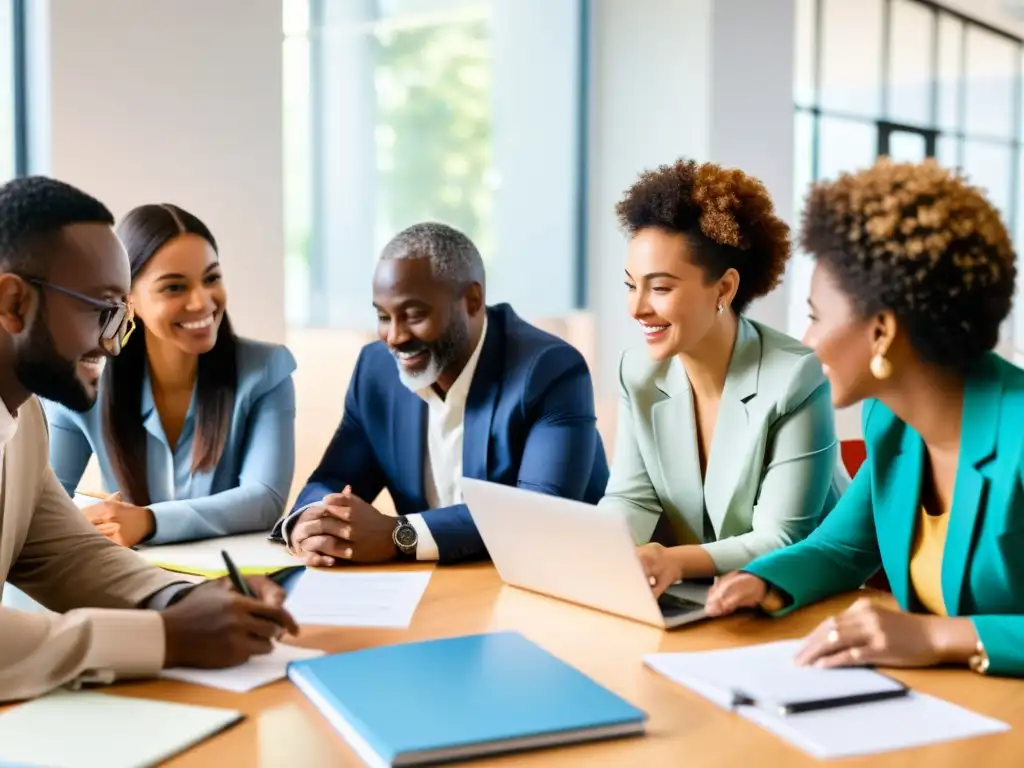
117, 318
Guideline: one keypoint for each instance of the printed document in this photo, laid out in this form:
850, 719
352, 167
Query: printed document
356, 599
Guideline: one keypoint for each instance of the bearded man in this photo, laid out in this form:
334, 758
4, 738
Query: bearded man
453, 389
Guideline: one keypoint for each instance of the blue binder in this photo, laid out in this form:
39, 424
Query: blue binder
459, 698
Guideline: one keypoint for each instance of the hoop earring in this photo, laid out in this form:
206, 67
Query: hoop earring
880, 367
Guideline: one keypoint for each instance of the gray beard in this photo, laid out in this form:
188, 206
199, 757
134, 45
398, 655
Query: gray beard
443, 353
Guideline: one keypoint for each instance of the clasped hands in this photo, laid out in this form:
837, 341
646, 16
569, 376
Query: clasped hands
121, 522
865, 633
343, 527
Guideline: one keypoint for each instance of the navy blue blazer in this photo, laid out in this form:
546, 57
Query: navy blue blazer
529, 422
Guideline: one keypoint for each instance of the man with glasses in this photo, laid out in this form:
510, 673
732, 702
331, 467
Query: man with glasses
63, 281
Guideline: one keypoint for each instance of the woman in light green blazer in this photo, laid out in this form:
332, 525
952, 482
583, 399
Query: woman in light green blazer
915, 274
726, 445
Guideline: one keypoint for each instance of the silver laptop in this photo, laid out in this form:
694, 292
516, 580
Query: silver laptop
573, 551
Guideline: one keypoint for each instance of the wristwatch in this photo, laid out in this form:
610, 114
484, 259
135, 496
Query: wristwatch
405, 536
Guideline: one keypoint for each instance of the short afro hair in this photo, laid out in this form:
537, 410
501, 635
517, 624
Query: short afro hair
727, 216
453, 257
34, 209
919, 241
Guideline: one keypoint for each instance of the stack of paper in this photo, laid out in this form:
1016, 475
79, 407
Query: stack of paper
258, 671
98, 730
253, 553
734, 677
357, 599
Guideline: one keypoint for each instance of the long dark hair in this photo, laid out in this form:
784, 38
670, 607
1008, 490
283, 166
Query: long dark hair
144, 231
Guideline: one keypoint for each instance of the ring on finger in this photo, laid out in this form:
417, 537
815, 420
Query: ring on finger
855, 654
833, 636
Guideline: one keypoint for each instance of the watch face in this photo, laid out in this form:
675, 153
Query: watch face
405, 536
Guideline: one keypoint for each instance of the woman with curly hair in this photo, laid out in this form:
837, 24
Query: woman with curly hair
726, 445
915, 273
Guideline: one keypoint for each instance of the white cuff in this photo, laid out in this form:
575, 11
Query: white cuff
289, 524
426, 547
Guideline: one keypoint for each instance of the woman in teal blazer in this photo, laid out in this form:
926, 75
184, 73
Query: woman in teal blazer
194, 427
726, 445
915, 273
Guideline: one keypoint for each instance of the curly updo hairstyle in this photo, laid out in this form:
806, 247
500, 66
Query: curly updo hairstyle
727, 217
918, 240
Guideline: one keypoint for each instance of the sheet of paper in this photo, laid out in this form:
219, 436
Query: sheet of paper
100, 730
82, 501
251, 552
357, 599
766, 673
882, 726
258, 671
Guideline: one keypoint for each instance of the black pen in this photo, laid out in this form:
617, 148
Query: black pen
240, 584
741, 699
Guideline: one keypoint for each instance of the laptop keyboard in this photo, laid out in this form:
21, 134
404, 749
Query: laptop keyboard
673, 605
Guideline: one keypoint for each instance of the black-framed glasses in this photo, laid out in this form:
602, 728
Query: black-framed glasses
117, 318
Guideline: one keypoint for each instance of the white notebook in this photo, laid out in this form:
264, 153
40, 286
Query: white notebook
765, 676
252, 553
99, 730
761, 684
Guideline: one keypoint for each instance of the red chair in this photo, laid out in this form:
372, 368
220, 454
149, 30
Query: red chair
854, 453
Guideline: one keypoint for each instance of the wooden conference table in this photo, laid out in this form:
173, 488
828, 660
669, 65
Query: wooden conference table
283, 729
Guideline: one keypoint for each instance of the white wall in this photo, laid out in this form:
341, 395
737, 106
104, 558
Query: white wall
176, 101
707, 79
649, 76
751, 110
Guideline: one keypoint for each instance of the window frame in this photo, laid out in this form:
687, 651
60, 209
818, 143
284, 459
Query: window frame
318, 257
20, 86
933, 130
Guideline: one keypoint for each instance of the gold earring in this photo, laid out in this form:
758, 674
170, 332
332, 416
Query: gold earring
881, 368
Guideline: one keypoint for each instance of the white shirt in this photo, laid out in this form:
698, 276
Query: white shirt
442, 464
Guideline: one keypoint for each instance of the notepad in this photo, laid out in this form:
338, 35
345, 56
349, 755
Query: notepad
251, 552
340, 599
766, 676
256, 672
98, 730
761, 684
464, 697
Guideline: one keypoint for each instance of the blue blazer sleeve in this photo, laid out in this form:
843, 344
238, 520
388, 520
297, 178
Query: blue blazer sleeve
264, 479
70, 449
558, 453
348, 460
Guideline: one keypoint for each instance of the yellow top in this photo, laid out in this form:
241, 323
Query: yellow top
926, 561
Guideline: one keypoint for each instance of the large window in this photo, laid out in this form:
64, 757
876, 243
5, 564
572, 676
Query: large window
461, 111
908, 79
11, 94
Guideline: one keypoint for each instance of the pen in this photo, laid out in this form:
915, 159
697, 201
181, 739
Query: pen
237, 581
742, 699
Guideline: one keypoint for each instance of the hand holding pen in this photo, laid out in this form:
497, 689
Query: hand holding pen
223, 623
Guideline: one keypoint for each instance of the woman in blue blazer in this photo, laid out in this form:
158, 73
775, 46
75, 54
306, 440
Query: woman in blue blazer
194, 428
915, 273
